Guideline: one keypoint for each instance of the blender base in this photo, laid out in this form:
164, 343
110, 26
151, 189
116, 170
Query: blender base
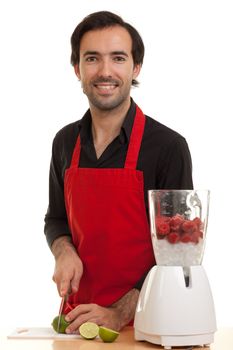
175, 308
169, 341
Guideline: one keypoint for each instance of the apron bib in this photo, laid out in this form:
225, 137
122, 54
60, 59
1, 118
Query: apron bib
107, 218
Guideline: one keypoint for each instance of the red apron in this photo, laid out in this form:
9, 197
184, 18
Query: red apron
107, 218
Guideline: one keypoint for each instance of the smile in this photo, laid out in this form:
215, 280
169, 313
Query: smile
106, 89
105, 86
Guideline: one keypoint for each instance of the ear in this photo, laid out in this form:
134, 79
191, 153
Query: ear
77, 71
136, 70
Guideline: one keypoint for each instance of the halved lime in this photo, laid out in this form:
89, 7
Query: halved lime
107, 335
89, 330
63, 324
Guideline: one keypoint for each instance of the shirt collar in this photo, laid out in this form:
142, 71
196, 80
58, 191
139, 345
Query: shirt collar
85, 125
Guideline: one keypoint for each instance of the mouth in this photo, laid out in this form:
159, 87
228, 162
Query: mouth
106, 87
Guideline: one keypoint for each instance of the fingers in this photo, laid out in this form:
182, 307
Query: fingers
74, 284
64, 287
67, 286
62, 282
79, 310
102, 316
83, 313
67, 274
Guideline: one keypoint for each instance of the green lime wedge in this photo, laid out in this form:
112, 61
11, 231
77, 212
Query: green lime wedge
107, 335
63, 324
89, 330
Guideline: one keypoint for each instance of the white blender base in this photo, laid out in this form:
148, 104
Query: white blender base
169, 341
175, 307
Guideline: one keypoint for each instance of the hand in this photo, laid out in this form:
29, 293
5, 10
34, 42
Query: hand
102, 316
115, 316
68, 266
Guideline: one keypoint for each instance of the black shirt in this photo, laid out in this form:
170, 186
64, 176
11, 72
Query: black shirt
164, 158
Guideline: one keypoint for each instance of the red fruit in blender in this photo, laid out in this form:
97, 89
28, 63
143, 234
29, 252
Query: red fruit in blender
176, 222
194, 237
173, 237
197, 222
163, 228
185, 238
199, 234
189, 226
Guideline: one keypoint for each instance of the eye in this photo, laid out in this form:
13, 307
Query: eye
119, 58
91, 59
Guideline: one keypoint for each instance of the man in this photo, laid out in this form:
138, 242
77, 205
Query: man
102, 167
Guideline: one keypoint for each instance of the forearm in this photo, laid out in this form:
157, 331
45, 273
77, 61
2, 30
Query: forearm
62, 245
125, 307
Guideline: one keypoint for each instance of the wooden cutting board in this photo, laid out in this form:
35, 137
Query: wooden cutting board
39, 333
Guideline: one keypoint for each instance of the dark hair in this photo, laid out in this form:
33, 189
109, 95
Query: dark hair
100, 20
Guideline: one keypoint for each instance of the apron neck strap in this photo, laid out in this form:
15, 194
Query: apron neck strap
135, 140
134, 143
76, 153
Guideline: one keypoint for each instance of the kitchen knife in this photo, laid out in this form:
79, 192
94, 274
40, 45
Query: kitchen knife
60, 313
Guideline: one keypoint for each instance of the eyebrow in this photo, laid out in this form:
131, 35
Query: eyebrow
122, 53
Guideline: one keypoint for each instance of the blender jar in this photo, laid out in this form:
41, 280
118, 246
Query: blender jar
178, 220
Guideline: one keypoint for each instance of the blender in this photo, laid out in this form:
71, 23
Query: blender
175, 305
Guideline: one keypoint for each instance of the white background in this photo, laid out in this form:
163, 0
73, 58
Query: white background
186, 83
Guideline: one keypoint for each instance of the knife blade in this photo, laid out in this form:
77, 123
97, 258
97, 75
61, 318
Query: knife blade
60, 313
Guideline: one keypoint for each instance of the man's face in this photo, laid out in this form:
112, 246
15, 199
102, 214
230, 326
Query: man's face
106, 67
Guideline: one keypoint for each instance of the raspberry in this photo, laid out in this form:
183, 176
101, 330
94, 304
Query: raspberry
194, 237
189, 226
198, 222
185, 238
163, 228
177, 229
173, 237
176, 222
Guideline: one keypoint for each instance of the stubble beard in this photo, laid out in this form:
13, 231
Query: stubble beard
107, 103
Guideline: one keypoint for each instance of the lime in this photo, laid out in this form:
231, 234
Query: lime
63, 324
89, 330
107, 335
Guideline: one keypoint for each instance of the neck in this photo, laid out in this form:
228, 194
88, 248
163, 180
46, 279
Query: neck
107, 124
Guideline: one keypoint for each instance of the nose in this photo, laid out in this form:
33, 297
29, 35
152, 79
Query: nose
105, 68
